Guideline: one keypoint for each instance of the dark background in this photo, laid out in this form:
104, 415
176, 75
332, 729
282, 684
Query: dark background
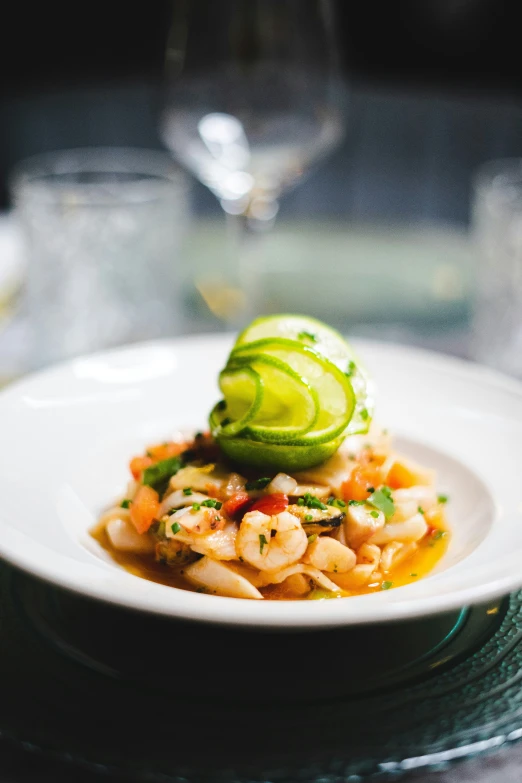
435, 48
437, 43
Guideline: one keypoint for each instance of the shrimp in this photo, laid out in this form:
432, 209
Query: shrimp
270, 543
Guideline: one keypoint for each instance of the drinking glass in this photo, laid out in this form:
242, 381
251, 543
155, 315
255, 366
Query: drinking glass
102, 229
253, 99
497, 228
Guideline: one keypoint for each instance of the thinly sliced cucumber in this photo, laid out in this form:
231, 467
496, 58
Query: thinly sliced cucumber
274, 457
334, 390
243, 392
317, 335
327, 342
290, 407
286, 408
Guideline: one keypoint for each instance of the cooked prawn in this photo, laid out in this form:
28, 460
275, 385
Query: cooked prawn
271, 542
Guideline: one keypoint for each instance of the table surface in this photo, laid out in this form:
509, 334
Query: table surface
407, 159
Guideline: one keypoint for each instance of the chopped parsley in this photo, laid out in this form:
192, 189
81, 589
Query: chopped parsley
175, 527
374, 514
155, 475
350, 369
262, 543
442, 498
211, 503
420, 510
438, 534
370, 489
259, 483
125, 503
310, 501
196, 506
187, 491
364, 414
312, 538
307, 336
382, 500
386, 585
308, 518
356, 502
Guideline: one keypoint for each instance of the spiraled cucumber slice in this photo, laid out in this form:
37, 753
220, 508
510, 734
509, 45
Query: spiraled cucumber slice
243, 392
332, 386
327, 342
275, 457
269, 393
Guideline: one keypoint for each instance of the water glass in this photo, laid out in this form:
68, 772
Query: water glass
102, 229
497, 228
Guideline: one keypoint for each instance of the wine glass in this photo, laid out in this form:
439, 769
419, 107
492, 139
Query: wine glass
253, 98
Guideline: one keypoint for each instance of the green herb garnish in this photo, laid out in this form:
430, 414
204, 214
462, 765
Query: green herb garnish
364, 414
187, 491
382, 500
442, 498
310, 501
413, 574
308, 518
175, 527
157, 474
350, 369
196, 506
438, 534
259, 483
211, 503
386, 585
262, 543
370, 489
307, 336
312, 538
356, 502
420, 510
125, 503
374, 514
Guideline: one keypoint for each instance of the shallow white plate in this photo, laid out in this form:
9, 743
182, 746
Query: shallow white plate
68, 433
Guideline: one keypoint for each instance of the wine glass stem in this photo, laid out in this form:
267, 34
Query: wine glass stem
244, 236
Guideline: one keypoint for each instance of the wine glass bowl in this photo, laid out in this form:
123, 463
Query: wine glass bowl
253, 99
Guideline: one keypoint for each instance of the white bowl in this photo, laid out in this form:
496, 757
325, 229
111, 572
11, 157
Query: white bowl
68, 433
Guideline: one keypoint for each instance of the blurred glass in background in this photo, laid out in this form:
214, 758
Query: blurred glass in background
374, 239
102, 231
253, 98
497, 227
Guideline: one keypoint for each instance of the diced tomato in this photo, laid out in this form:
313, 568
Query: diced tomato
165, 450
361, 480
144, 508
236, 503
271, 504
138, 464
155, 454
